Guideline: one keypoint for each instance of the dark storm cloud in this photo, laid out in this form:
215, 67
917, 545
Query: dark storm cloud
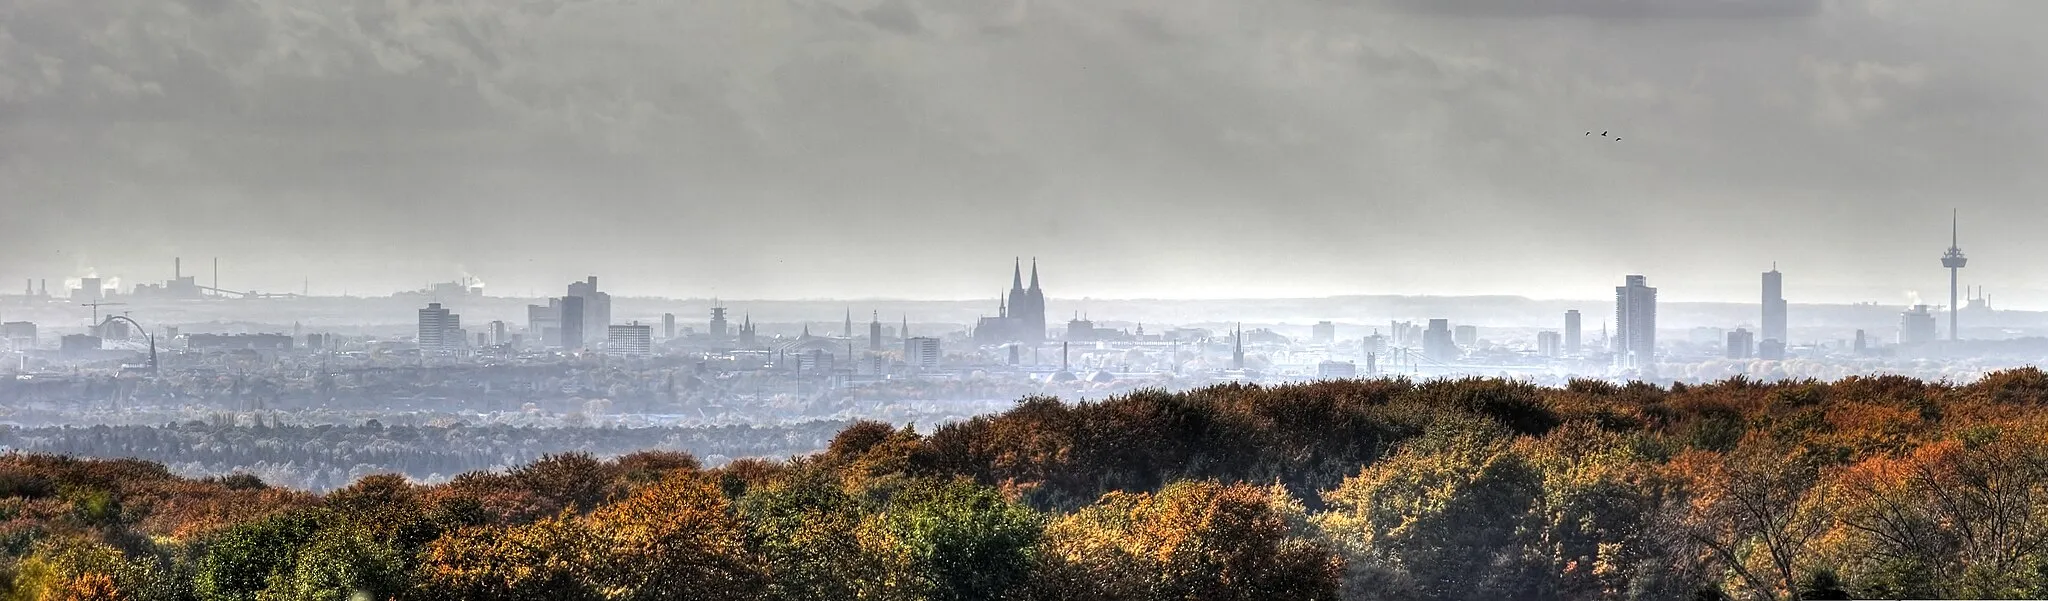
1615, 9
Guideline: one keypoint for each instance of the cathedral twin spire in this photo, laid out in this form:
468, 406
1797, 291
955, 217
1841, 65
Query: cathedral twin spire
1020, 312
1017, 275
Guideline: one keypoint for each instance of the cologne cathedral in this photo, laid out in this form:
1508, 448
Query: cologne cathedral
1020, 317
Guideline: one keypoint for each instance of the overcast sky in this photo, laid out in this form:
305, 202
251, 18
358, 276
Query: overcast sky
1139, 148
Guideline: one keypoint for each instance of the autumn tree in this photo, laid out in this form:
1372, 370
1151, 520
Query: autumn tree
569, 480
677, 539
1750, 513
1444, 518
806, 530
551, 559
1192, 540
1958, 517
68, 567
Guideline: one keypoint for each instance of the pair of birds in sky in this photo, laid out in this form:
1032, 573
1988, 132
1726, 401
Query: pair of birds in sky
1604, 135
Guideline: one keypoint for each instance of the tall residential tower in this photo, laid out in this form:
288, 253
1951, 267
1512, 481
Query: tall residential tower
1635, 325
1571, 332
1774, 305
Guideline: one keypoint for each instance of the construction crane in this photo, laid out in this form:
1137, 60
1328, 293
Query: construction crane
96, 309
247, 295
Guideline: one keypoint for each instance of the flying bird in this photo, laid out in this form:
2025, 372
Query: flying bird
1603, 134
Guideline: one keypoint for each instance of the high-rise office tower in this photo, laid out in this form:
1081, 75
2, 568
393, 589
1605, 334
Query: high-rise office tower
1741, 344
498, 333
668, 325
435, 324
1571, 332
596, 311
630, 339
717, 320
1323, 333
1547, 343
1954, 261
922, 353
1465, 336
572, 323
1862, 345
1916, 326
544, 323
1774, 305
1635, 325
1437, 342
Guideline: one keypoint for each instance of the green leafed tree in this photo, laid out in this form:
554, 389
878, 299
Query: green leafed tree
960, 541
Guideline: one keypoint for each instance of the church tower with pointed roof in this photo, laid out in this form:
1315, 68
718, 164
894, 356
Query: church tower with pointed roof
1034, 314
1020, 313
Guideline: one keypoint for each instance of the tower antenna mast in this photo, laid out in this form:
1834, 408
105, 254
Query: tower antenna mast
1954, 261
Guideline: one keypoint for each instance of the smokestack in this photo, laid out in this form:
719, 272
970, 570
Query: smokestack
177, 268
1063, 356
44, 285
216, 275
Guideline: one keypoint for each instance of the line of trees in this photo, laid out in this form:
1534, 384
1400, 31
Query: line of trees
1370, 490
324, 457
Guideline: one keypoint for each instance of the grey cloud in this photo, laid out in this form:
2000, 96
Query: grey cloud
893, 16
655, 138
1615, 9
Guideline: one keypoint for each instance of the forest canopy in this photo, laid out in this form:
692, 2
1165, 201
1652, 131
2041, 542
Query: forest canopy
1377, 489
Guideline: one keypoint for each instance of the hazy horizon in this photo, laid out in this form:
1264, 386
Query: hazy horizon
1684, 292
1138, 148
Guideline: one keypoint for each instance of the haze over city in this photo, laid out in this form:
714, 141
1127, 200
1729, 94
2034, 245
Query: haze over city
903, 149
1023, 300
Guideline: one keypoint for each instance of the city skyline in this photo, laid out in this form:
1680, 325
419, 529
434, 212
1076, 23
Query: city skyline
620, 299
1472, 339
1688, 290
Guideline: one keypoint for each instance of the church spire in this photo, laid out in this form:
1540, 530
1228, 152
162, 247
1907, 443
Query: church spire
1237, 350
1034, 274
1017, 273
